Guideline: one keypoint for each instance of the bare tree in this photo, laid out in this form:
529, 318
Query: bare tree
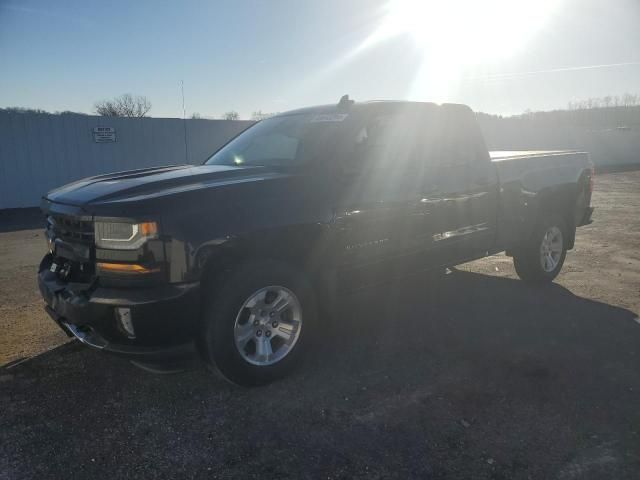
231, 115
195, 116
626, 100
629, 99
124, 106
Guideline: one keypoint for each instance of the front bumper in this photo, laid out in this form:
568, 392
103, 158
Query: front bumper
164, 318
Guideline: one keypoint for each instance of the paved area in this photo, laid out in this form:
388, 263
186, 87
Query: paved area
473, 376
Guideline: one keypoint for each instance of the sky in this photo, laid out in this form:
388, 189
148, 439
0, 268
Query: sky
498, 56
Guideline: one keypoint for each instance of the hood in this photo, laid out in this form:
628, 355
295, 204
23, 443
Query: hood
153, 182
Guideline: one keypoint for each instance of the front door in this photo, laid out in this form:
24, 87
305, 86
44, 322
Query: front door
378, 215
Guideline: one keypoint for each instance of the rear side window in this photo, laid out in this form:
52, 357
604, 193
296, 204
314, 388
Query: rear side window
454, 151
461, 142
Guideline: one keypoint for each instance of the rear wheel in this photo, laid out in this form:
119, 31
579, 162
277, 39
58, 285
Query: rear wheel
256, 325
541, 259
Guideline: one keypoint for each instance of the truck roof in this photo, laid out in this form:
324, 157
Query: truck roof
374, 105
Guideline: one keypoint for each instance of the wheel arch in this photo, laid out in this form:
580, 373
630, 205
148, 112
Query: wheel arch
304, 248
560, 200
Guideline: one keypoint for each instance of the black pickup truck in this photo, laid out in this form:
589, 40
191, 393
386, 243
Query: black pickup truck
238, 258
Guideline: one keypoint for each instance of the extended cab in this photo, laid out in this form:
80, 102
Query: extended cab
236, 256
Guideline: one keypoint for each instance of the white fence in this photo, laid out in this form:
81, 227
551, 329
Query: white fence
39, 152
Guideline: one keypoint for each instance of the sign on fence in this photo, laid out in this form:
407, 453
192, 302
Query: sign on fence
104, 134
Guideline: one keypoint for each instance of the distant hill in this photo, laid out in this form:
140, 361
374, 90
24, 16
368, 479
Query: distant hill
600, 118
611, 135
37, 110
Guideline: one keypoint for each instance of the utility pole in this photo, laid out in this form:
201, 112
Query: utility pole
184, 124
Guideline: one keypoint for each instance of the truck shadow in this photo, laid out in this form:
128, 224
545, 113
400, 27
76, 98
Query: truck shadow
476, 317
479, 305
450, 371
460, 315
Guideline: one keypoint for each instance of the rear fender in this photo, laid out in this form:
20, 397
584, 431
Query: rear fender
560, 199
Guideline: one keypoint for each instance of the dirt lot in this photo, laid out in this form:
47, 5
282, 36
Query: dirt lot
475, 376
26, 328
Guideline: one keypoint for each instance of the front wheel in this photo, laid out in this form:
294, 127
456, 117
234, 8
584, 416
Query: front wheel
541, 259
257, 322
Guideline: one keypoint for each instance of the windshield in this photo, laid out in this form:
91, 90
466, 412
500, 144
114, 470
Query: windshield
289, 140
356, 140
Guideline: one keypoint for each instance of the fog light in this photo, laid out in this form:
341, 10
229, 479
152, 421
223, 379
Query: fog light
123, 315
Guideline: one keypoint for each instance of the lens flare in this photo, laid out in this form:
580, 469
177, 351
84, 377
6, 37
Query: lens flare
456, 36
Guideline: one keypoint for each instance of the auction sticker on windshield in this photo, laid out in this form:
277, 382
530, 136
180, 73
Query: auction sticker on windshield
329, 117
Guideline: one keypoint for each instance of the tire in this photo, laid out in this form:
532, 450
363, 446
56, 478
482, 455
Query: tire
541, 259
246, 312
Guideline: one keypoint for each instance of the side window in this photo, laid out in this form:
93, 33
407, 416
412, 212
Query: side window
384, 162
372, 146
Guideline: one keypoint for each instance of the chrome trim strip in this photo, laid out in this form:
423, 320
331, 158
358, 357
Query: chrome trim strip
88, 338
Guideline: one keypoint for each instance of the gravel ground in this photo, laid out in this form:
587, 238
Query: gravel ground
473, 376
26, 328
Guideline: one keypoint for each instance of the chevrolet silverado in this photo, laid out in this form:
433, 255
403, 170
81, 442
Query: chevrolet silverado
239, 258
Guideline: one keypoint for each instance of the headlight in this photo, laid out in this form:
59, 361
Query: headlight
123, 235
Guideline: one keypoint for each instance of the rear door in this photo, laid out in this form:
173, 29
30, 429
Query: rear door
467, 187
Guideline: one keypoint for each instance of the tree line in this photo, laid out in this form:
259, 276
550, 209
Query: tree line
616, 108
625, 100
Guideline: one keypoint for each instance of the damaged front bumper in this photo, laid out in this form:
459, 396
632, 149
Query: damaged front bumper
164, 318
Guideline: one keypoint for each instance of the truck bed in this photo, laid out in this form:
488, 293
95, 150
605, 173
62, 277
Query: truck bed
537, 169
500, 155
552, 174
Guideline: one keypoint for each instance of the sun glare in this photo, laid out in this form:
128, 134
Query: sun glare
470, 29
457, 36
